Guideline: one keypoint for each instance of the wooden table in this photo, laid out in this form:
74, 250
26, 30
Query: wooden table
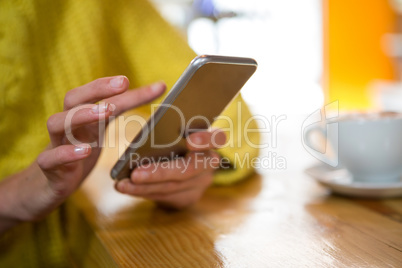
272, 219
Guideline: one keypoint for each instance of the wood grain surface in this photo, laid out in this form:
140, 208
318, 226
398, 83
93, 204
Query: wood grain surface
272, 219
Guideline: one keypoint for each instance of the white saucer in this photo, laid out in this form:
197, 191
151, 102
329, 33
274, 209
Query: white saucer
340, 181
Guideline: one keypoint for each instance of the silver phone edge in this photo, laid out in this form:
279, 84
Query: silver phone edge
180, 84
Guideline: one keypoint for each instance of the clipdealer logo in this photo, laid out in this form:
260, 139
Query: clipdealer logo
242, 132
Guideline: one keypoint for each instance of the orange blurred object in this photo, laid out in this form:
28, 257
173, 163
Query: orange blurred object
353, 52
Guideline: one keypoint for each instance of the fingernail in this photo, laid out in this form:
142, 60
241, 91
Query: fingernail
81, 149
121, 187
142, 175
156, 87
117, 82
198, 140
100, 108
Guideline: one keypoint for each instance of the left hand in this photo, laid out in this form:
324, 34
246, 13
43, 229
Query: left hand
180, 182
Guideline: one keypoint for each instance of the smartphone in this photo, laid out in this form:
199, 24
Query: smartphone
200, 95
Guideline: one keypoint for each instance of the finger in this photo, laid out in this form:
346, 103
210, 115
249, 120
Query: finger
61, 155
134, 98
62, 122
180, 200
206, 140
126, 186
95, 91
176, 170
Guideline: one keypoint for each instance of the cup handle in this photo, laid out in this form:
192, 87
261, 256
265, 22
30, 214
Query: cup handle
310, 147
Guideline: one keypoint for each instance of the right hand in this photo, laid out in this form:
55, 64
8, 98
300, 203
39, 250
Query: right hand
61, 168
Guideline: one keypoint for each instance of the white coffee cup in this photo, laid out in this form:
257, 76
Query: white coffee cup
369, 145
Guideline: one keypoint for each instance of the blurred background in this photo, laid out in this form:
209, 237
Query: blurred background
310, 52
284, 36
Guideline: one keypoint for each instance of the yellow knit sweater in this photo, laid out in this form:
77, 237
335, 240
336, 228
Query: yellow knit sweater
49, 47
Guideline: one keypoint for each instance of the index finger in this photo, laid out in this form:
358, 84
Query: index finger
96, 90
134, 98
206, 140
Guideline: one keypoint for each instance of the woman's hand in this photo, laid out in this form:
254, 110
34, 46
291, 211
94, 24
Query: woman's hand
66, 165
181, 182
60, 169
